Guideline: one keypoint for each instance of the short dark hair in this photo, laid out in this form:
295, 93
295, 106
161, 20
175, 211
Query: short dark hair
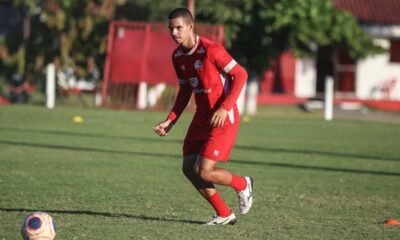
183, 13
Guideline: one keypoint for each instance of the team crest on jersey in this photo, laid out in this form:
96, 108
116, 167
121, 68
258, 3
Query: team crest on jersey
201, 50
178, 53
198, 65
194, 81
183, 68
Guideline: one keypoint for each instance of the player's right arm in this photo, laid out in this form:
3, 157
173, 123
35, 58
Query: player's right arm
182, 99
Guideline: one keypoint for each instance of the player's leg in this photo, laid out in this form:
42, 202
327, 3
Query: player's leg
208, 172
193, 143
217, 148
191, 148
208, 191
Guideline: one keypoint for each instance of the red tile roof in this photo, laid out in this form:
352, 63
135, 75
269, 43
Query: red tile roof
373, 11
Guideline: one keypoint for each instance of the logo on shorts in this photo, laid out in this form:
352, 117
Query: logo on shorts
216, 153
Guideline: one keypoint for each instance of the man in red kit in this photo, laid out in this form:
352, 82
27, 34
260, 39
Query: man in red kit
205, 69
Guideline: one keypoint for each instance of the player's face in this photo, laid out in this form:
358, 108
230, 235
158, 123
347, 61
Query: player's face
180, 30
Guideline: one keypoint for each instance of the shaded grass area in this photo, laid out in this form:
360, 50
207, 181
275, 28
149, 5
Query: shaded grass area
111, 177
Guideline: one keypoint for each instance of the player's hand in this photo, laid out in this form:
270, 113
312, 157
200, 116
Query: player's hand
162, 128
218, 118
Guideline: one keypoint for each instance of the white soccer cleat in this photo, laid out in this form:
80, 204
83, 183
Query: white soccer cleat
245, 197
217, 220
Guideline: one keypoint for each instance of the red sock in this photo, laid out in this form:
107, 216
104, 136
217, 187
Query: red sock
238, 183
219, 205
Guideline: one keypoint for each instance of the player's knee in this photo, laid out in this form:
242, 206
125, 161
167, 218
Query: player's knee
205, 175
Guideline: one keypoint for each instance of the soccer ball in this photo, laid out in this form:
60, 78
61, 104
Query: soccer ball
38, 226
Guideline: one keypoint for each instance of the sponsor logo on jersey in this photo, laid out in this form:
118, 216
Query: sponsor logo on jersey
201, 50
194, 81
178, 53
198, 65
183, 68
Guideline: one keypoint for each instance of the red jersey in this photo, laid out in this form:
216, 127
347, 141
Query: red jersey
212, 75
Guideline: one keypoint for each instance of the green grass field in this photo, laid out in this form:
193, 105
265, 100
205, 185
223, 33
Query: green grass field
111, 177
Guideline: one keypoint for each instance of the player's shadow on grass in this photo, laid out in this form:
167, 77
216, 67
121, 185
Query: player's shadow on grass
104, 214
89, 149
91, 135
168, 140
317, 152
318, 168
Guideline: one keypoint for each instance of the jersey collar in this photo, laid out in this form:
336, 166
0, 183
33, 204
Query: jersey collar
193, 48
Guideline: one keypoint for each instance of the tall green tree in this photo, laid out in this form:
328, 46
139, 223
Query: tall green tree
259, 30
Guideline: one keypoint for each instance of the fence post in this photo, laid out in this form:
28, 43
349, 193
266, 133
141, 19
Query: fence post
251, 98
51, 86
328, 104
240, 102
142, 96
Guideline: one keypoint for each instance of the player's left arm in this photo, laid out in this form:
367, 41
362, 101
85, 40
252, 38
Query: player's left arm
223, 61
239, 78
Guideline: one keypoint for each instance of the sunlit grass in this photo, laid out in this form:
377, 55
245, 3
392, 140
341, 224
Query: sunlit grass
111, 177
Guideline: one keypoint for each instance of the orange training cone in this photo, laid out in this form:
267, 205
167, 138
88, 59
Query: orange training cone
392, 221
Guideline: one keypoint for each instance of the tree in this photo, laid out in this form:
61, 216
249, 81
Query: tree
256, 31
259, 30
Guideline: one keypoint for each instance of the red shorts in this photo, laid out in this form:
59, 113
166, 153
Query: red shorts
212, 143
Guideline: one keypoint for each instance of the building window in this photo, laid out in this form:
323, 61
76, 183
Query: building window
395, 51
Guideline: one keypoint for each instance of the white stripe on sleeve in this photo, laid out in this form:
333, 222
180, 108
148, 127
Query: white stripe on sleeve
230, 65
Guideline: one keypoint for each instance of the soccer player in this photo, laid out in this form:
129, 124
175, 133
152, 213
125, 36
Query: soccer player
205, 69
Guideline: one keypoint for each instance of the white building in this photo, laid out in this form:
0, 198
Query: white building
375, 78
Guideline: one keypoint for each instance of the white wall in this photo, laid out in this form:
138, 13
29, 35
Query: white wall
373, 73
305, 78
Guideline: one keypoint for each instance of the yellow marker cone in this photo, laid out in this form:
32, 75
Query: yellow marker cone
77, 119
246, 119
